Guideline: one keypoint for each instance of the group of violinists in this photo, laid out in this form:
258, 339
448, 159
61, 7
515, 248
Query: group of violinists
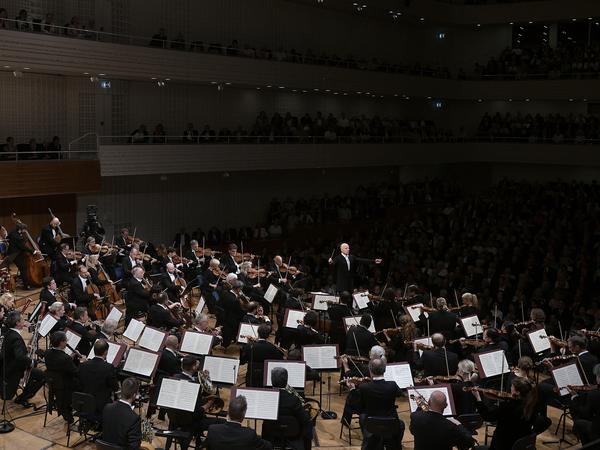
162, 286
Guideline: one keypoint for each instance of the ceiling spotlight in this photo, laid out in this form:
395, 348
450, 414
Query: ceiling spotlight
26, 68
228, 83
101, 74
17, 74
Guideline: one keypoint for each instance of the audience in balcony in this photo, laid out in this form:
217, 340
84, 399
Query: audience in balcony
30, 150
555, 128
140, 135
159, 39
3, 17
23, 21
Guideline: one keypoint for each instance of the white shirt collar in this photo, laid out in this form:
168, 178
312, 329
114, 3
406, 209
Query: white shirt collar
83, 280
127, 403
378, 378
17, 330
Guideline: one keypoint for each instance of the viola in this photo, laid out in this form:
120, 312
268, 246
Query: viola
557, 342
594, 334
471, 342
354, 358
255, 273
180, 260
242, 257
440, 379
583, 388
354, 380
493, 393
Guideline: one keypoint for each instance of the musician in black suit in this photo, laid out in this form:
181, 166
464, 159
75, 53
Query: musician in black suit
359, 339
138, 297
344, 268
251, 315
61, 268
160, 315
78, 293
440, 321
170, 361
98, 378
16, 252
168, 282
61, 374
437, 361
16, 361
336, 313
433, 431
585, 409
291, 406
378, 399
197, 264
49, 291
306, 333
48, 243
232, 435
121, 425
256, 353
234, 313
228, 261
80, 326
123, 241
129, 262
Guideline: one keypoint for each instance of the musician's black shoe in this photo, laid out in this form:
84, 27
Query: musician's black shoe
24, 403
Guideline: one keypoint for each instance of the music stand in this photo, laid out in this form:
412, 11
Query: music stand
321, 368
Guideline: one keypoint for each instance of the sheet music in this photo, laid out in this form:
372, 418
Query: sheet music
426, 392
471, 325
567, 375
296, 372
355, 320
141, 362
320, 356
200, 306
178, 394
540, 344
361, 300
414, 311
134, 330
400, 373
271, 293
425, 341
196, 343
47, 323
262, 404
247, 329
222, 370
152, 339
320, 303
113, 351
293, 316
73, 340
114, 314
493, 363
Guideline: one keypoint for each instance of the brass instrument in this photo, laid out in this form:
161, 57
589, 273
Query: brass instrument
147, 435
310, 409
420, 401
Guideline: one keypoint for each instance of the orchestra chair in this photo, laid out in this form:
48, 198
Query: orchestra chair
345, 423
175, 434
594, 445
525, 443
103, 445
471, 422
51, 398
84, 406
381, 429
562, 421
281, 432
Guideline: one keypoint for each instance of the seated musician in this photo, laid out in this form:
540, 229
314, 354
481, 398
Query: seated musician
585, 409
121, 425
195, 422
16, 361
98, 378
291, 406
285, 336
108, 329
378, 399
138, 297
359, 339
93, 266
470, 305
437, 361
231, 435
168, 366
124, 241
49, 290
48, 242
81, 325
413, 296
306, 333
78, 293
433, 431
336, 313
90, 247
63, 266
168, 282
251, 315
200, 323
466, 376
233, 312
57, 310
384, 310
256, 353
515, 417
229, 260
442, 320
170, 258
61, 374
129, 262
197, 263
160, 314
401, 342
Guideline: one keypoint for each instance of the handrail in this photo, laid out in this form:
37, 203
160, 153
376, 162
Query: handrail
20, 156
80, 138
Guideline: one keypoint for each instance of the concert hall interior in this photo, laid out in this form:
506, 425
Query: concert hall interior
296, 224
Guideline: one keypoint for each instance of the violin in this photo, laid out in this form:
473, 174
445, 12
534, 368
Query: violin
201, 252
71, 254
180, 260
420, 345
242, 257
583, 388
556, 359
457, 308
493, 393
558, 342
104, 249
520, 325
440, 379
424, 308
471, 342
218, 273
354, 380
292, 270
354, 358
595, 334
255, 273
390, 331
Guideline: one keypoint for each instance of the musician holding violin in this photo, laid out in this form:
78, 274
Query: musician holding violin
80, 294
171, 282
229, 260
585, 409
138, 294
164, 314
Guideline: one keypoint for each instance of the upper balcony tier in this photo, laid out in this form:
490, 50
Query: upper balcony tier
42, 53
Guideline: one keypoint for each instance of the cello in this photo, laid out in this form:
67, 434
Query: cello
37, 267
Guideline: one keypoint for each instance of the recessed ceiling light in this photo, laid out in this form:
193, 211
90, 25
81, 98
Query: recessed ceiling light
101, 74
479, 100
269, 86
258, 89
574, 20
526, 99
429, 97
358, 92
478, 25
510, 99
570, 99
281, 87
327, 90
422, 19
395, 95
294, 90
153, 78
167, 79
26, 68
228, 83
7, 67
530, 22
85, 73
511, 23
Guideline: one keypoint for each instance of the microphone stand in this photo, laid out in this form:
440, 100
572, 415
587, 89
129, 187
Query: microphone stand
6, 426
329, 414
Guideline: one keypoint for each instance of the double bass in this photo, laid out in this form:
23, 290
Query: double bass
37, 267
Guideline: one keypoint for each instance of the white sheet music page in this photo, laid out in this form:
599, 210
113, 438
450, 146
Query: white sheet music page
178, 394
355, 320
293, 316
73, 340
247, 329
400, 373
152, 339
320, 303
134, 330
296, 372
320, 356
471, 325
567, 375
539, 340
200, 306
425, 341
222, 370
493, 363
262, 404
113, 350
361, 300
196, 343
271, 293
114, 314
414, 311
140, 362
47, 323
426, 392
